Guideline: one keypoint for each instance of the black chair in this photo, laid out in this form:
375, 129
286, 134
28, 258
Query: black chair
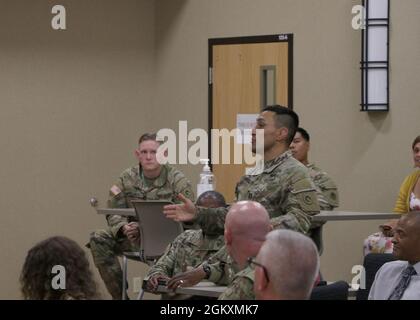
316, 235
372, 263
335, 291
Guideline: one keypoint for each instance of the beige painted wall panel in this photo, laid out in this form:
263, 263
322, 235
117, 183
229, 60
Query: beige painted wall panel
73, 104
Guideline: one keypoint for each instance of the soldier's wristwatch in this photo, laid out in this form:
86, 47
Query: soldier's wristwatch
207, 270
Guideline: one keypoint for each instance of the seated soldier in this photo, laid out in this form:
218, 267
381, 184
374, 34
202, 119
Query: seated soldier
188, 250
149, 180
326, 188
246, 225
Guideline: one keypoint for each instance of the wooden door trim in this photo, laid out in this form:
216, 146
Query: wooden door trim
288, 37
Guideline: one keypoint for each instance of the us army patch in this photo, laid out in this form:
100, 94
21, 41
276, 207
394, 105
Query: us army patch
115, 190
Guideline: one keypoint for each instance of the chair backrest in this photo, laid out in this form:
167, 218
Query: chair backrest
316, 235
335, 291
156, 231
372, 263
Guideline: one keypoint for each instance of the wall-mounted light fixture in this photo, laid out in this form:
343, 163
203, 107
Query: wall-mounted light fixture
375, 56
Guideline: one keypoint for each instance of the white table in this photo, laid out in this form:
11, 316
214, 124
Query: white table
209, 289
204, 289
126, 212
349, 215
323, 216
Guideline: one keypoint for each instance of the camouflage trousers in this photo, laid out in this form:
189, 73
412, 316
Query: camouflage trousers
105, 249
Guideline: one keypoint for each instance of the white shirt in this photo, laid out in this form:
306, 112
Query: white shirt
388, 277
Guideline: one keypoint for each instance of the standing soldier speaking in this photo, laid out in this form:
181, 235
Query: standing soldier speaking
284, 188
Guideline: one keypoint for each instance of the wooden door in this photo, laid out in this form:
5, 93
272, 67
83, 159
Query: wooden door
244, 78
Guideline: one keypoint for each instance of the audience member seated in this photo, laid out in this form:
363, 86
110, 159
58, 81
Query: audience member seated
409, 196
148, 180
246, 225
188, 250
400, 280
38, 282
408, 200
326, 188
286, 267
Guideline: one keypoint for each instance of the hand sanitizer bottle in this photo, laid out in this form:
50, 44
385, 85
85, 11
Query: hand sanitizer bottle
206, 182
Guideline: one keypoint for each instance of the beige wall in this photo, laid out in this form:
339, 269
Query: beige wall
72, 106
73, 103
367, 154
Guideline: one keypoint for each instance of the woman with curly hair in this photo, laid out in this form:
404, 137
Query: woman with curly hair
37, 273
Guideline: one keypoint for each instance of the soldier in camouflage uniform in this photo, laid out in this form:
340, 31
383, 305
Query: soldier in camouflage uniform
284, 187
188, 250
241, 287
247, 224
325, 187
147, 181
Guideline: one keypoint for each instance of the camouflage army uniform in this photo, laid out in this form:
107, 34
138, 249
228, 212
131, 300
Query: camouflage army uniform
223, 268
106, 245
288, 194
328, 199
225, 272
284, 188
325, 187
187, 251
241, 287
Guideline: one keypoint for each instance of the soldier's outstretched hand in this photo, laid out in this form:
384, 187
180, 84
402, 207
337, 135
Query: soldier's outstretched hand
183, 212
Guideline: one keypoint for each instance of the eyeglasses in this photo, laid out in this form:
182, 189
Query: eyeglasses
251, 261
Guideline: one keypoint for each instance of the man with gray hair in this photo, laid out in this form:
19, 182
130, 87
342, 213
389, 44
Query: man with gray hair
286, 267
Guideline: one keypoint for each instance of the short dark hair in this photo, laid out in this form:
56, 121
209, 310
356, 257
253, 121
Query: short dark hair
285, 117
303, 133
148, 136
217, 197
416, 140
